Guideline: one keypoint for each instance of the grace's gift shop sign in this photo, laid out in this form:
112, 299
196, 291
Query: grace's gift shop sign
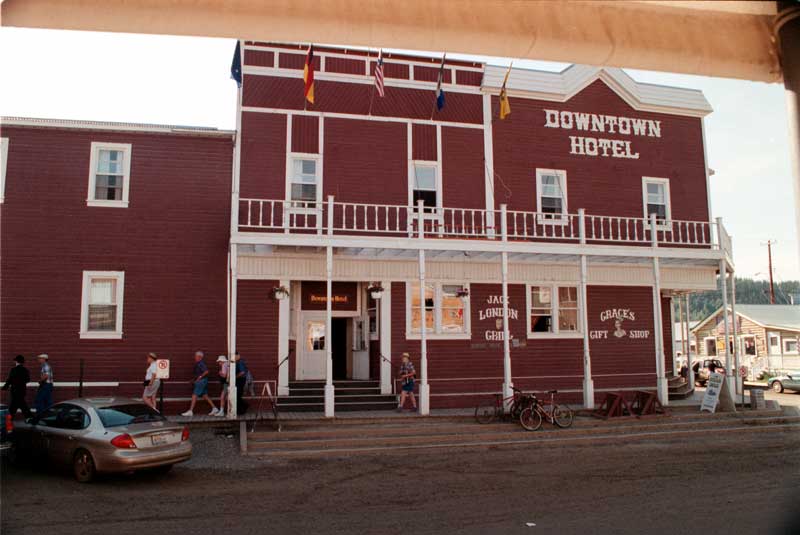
493, 312
594, 123
619, 326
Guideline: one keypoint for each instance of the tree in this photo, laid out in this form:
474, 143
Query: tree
748, 292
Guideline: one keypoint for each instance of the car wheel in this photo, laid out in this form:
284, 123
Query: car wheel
83, 466
777, 386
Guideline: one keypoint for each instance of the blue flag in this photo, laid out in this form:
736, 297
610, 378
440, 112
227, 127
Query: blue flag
439, 90
236, 66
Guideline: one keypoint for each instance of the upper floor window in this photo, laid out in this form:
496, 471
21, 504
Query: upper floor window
446, 314
3, 162
109, 174
304, 180
553, 310
101, 307
655, 193
551, 194
425, 185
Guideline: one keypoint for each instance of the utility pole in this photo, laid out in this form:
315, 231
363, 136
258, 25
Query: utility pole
771, 282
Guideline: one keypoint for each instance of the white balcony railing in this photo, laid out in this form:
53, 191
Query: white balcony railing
362, 219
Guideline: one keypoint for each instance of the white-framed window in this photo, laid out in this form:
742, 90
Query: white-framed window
372, 318
711, 346
425, 185
553, 310
774, 344
747, 343
446, 314
790, 345
359, 340
3, 164
101, 304
656, 200
109, 174
304, 180
551, 195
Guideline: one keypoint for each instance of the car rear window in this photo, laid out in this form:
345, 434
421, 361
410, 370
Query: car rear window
117, 415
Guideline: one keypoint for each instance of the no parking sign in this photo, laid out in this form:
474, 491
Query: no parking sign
162, 369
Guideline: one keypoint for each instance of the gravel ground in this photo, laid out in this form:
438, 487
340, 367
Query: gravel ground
745, 483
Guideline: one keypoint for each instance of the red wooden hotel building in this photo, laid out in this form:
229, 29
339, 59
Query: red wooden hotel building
545, 250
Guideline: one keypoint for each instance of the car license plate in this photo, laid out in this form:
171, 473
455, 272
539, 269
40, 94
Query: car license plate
158, 440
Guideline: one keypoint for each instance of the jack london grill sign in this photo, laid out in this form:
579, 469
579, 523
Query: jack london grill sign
595, 123
493, 311
617, 317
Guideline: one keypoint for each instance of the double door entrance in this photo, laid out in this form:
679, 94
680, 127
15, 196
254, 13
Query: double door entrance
349, 357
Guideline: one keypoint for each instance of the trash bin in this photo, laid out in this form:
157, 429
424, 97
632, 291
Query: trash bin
757, 399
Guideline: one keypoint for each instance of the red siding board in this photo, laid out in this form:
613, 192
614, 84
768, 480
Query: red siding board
257, 328
603, 186
296, 61
259, 58
431, 74
392, 70
423, 142
469, 78
171, 242
305, 134
263, 164
344, 65
463, 168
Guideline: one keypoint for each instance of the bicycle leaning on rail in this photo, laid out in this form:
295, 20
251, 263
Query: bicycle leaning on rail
487, 412
536, 412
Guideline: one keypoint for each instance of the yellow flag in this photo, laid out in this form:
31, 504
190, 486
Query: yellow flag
505, 105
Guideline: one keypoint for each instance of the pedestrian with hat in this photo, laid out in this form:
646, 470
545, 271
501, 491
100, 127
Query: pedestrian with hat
44, 395
224, 366
151, 382
17, 381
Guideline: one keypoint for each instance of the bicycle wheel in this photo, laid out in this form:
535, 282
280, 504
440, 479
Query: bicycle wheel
486, 412
562, 416
530, 419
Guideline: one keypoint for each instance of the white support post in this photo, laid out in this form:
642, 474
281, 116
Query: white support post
284, 318
329, 391
488, 171
672, 333
232, 329
690, 374
424, 387
729, 372
736, 345
385, 329
658, 323
588, 382
508, 382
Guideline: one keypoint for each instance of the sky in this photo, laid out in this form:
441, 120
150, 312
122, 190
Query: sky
186, 81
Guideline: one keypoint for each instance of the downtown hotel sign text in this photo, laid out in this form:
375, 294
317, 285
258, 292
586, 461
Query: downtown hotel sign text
598, 146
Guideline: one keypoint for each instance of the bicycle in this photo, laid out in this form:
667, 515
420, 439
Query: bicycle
486, 413
531, 417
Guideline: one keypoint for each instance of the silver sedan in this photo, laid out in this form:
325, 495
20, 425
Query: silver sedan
103, 435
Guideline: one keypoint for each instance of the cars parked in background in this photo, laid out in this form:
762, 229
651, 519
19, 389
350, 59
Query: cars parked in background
702, 371
6, 431
789, 380
103, 435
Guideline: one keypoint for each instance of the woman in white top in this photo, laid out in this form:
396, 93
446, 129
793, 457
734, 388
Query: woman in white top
223, 381
151, 382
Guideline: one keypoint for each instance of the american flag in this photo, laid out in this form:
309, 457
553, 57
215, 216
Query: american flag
379, 74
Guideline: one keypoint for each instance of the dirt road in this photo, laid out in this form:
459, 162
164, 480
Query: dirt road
742, 483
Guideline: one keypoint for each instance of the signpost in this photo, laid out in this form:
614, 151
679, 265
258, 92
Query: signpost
162, 373
713, 388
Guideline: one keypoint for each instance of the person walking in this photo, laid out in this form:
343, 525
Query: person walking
407, 375
151, 382
44, 395
241, 380
200, 382
17, 381
222, 361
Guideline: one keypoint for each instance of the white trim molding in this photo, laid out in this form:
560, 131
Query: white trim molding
548, 219
127, 151
437, 333
554, 311
660, 224
119, 278
3, 166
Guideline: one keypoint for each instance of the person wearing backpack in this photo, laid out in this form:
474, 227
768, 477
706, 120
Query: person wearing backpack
406, 375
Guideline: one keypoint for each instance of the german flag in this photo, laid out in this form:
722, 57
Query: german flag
505, 105
308, 75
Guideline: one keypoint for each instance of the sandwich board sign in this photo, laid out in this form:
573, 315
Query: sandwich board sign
162, 369
713, 388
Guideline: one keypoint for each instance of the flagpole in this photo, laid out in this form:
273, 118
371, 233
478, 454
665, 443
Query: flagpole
439, 83
372, 93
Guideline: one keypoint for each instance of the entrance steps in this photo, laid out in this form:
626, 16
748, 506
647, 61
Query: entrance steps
678, 388
345, 436
349, 395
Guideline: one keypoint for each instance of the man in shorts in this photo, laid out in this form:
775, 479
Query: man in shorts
151, 382
406, 376
200, 382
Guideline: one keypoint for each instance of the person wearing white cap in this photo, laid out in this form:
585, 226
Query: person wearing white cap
224, 366
151, 382
44, 396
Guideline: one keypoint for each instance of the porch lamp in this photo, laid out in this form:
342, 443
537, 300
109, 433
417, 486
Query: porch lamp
375, 291
280, 293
